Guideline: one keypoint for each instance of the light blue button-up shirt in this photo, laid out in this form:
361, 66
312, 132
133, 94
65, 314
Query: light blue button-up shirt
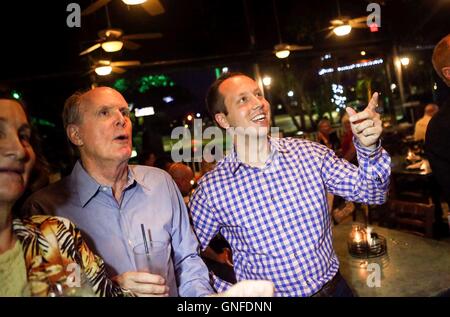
112, 229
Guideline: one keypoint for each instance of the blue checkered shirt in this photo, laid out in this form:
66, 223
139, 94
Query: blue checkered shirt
276, 218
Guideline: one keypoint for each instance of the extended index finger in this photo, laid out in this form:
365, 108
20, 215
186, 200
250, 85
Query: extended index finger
373, 103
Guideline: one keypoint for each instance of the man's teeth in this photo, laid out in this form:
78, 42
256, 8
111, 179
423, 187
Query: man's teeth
259, 117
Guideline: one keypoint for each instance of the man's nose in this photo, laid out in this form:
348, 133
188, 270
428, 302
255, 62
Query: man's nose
257, 104
121, 119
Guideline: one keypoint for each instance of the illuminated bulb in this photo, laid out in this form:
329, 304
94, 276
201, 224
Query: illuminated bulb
112, 46
133, 2
189, 117
363, 53
282, 53
103, 70
342, 30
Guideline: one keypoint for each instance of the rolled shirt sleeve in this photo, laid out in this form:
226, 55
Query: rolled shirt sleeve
368, 183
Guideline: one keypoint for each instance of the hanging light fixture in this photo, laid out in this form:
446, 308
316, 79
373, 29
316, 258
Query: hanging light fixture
133, 2
282, 51
342, 30
103, 70
112, 46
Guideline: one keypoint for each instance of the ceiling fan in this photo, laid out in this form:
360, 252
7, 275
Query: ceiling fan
283, 50
343, 25
152, 7
105, 67
112, 40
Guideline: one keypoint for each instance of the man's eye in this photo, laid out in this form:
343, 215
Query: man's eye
104, 113
243, 100
126, 113
259, 94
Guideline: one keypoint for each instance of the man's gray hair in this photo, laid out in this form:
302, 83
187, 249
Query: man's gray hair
71, 113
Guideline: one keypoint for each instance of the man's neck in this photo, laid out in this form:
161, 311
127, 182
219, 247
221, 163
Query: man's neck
252, 150
108, 173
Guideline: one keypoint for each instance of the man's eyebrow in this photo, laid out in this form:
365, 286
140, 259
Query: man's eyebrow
104, 107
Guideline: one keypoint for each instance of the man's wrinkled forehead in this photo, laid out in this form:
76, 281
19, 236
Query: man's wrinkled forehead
103, 96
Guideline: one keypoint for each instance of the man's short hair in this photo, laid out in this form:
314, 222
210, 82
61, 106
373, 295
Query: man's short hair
71, 112
72, 115
215, 101
441, 56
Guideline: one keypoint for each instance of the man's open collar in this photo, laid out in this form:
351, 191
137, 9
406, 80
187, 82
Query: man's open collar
86, 186
276, 146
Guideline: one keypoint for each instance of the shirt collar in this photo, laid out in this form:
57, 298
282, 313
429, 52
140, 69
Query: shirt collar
276, 146
87, 187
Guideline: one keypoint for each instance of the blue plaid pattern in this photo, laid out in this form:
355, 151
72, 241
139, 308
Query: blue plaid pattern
276, 217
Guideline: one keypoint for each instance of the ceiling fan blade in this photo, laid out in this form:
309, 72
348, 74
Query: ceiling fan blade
330, 34
337, 22
90, 49
142, 36
326, 29
294, 47
125, 63
94, 7
153, 7
359, 20
131, 45
359, 26
118, 70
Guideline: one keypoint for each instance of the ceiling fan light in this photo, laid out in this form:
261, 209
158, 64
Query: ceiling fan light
112, 46
133, 2
342, 30
103, 70
282, 53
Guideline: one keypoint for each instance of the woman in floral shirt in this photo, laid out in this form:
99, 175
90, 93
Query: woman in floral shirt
40, 251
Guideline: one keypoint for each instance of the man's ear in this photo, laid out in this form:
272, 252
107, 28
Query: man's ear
221, 119
446, 72
73, 133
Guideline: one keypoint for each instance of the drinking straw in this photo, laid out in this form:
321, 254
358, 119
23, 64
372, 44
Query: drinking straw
150, 237
145, 239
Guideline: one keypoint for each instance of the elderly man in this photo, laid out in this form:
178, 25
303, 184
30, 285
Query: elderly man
109, 199
421, 125
437, 141
270, 203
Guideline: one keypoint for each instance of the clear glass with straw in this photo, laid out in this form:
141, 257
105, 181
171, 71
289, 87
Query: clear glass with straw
152, 256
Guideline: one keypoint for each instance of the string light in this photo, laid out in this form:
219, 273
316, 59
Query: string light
323, 71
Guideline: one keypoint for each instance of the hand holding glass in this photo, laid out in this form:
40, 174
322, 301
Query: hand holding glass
156, 261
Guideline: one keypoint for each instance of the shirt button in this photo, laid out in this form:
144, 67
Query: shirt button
104, 189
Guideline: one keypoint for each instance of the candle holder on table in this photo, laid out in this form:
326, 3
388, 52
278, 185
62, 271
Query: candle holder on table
364, 243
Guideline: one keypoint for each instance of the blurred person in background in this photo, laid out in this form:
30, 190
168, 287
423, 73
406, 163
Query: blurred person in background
420, 128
